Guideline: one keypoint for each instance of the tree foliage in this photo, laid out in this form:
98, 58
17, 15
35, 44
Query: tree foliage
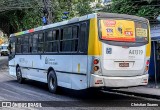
31, 17
27, 14
144, 8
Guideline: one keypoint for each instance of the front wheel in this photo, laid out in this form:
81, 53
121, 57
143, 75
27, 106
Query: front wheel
52, 82
20, 79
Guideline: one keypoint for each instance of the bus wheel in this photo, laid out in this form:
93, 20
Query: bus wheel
52, 82
20, 79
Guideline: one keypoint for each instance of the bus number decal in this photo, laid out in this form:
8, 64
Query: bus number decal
136, 52
108, 50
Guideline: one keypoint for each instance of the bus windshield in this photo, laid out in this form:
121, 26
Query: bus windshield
4, 47
123, 30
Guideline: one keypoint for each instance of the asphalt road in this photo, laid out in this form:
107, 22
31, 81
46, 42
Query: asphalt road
11, 90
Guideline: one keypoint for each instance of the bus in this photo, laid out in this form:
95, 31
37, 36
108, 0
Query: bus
4, 49
99, 50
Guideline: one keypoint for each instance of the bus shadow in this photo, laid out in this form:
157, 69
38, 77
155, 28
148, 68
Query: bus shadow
87, 94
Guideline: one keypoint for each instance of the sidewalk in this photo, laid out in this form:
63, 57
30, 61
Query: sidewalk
151, 90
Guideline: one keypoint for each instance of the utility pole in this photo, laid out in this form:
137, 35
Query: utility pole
47, 10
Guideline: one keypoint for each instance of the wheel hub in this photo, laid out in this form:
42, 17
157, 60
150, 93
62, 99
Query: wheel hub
52, 85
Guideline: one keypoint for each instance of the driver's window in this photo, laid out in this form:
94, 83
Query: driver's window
12, 46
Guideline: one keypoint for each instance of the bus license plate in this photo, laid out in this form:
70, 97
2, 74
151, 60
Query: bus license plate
123, 64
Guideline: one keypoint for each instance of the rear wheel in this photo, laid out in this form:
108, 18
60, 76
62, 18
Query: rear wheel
52, 82
20, 79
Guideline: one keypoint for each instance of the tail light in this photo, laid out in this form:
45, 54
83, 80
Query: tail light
147, 68
96, 65
147, 65
96, 68
96, 61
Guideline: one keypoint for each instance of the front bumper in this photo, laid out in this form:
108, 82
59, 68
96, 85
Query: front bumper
4, 53
104, 81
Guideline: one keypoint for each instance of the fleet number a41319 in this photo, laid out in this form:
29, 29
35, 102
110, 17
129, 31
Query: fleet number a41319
136, 52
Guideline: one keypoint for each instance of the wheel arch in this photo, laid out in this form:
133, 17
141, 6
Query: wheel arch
50, 69
17, 67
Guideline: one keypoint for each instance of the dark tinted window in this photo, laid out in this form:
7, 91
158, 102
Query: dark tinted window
75, 32
83, 40
18, 48
35, 43
69, 39
18, 45
49, 36
67, 33
19, 40
12, 46
66, 36
75, 38
66, 46
25, 48
25, 44
56, 35
41, 37
52, 41
41, 42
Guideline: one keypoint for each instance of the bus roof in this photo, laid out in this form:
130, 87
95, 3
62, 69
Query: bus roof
77, 19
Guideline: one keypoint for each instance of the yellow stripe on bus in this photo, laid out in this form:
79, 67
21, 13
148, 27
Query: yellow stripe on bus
78, 68
148, 46
94, 46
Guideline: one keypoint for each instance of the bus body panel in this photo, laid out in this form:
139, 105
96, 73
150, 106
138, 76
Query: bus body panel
113, 56
110, 74
70, 77
12, 67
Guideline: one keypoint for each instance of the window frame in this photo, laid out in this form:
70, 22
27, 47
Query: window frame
77, 52
58, 40
23, 44
86, 36
71, 39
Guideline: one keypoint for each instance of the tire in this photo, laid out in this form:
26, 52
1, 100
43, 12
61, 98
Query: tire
20, 79
52, 82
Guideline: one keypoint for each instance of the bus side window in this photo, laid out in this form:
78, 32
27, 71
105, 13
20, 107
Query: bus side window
66, 39
30, 44
18, 45
83, 38
35, 43
75, 30
55, 41
25, 44
48, 41
41, 42
11, 46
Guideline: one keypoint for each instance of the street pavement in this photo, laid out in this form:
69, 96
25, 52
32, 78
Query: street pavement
11, 90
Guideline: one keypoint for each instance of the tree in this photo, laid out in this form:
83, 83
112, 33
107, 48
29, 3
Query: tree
144, 8
27, 14
83, 8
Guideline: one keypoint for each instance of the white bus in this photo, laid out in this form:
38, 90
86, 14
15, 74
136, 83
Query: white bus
95, 50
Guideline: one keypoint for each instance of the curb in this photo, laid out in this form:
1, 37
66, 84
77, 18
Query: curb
137, 94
